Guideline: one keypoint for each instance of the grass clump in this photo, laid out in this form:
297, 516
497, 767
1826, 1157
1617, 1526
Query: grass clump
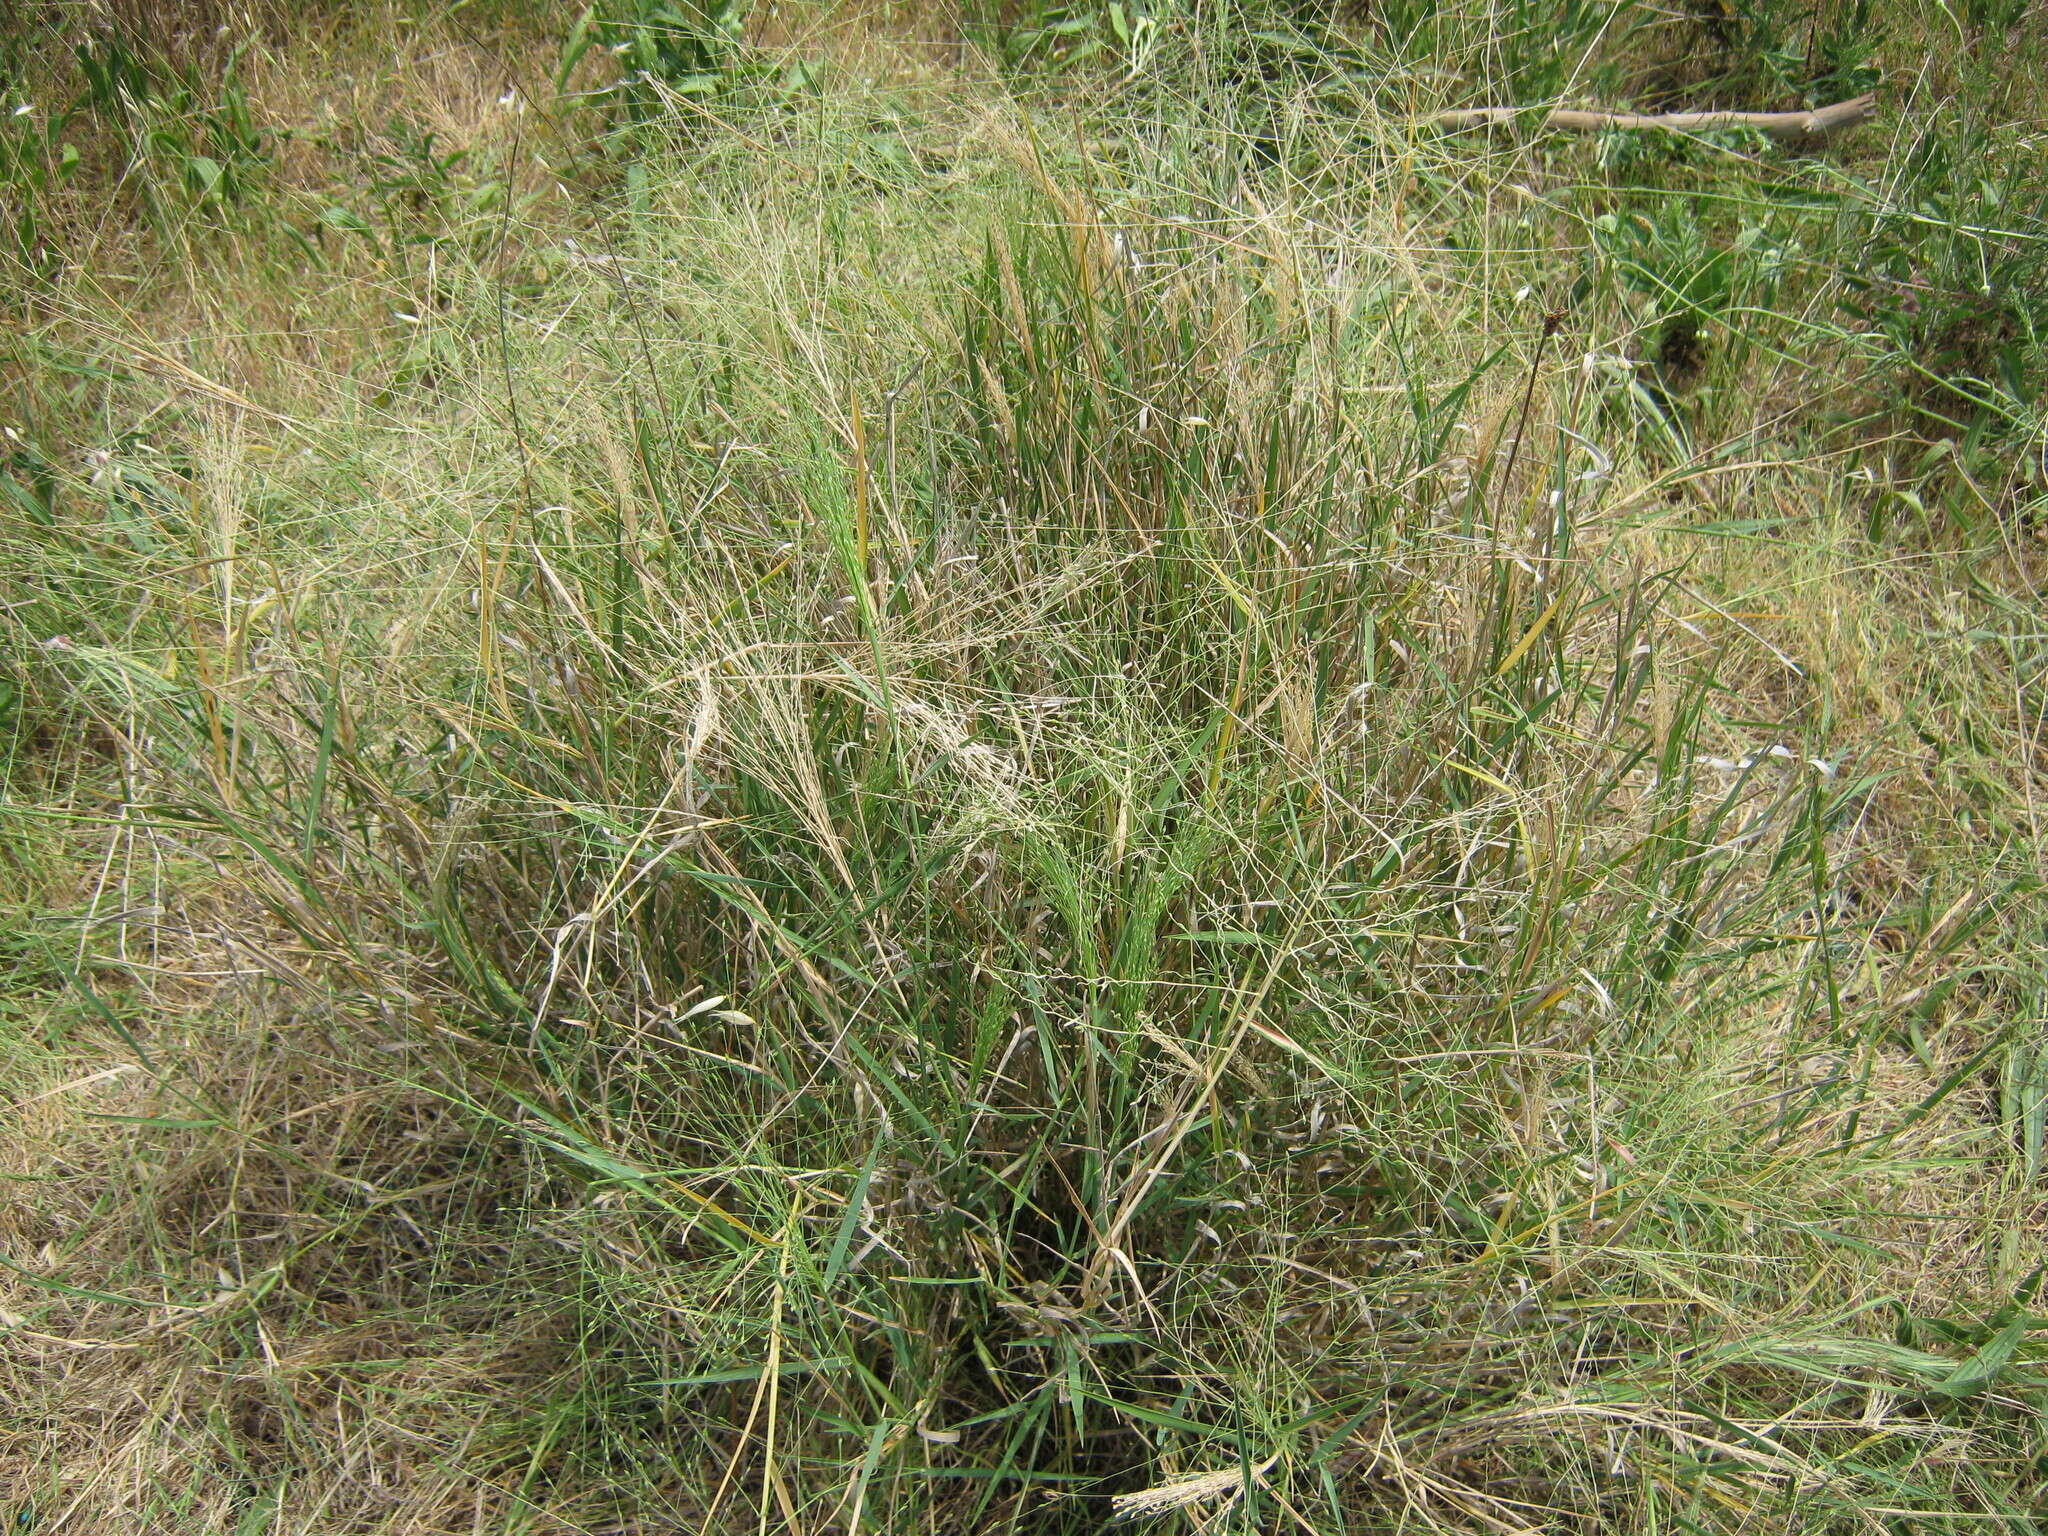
869, 784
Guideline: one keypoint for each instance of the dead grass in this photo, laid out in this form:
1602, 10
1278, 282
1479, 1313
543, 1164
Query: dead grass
789, 752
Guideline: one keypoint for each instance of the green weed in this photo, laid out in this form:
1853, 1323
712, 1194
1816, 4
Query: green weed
979, 809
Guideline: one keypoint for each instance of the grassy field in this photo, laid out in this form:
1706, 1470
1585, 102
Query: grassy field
879, 769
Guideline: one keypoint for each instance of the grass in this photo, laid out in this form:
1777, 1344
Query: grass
992, 772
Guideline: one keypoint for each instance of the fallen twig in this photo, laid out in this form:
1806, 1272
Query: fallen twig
1794, 128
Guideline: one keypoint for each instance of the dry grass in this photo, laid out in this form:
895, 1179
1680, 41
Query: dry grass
877, 810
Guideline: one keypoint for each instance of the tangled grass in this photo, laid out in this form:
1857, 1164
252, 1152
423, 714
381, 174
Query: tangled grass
893, 794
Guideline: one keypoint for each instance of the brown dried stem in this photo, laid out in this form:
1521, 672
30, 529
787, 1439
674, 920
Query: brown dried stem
1797, 129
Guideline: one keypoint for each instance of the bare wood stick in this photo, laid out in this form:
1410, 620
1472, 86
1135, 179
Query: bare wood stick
1794, 128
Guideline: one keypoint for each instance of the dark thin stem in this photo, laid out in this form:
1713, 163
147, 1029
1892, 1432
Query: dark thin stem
1552, 324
